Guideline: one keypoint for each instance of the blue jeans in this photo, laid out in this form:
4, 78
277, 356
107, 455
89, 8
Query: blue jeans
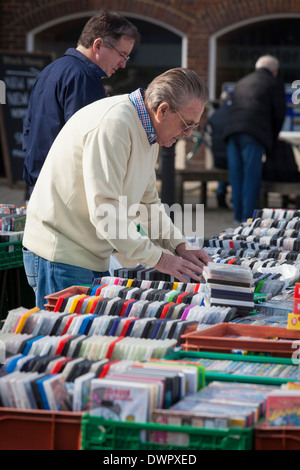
245, 169
47, 277
222, 188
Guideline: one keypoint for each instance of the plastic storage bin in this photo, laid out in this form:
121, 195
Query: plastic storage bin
229, 337
39, 430
11, 255
276, 438
14, 287
101, 434
72, 290
210, 376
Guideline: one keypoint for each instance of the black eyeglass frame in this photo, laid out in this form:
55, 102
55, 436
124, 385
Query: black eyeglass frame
121, 55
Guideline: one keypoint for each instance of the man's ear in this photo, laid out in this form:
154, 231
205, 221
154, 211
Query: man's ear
163, 110
97, 44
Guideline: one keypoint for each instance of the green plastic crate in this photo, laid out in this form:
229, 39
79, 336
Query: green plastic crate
11, 255
100, 434
221, 376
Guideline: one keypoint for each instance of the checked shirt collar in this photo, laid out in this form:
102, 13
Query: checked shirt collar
136, 97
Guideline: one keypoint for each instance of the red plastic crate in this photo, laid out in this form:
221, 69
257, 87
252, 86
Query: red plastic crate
227, 337
72, 290
276, 438
39, 430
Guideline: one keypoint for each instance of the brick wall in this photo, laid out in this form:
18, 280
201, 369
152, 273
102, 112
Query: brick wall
198, 19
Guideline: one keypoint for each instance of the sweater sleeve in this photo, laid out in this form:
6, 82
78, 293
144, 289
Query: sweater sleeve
156, 221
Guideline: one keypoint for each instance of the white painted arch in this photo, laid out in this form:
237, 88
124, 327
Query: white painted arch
30, 38
214, 38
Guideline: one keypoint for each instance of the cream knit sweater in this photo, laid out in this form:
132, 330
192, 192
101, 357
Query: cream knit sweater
100, 167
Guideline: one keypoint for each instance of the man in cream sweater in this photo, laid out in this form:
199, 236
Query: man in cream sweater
99, 179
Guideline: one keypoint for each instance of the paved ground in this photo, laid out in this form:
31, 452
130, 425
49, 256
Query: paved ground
215, 219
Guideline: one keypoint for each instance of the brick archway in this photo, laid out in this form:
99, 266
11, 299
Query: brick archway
218, 16
199, 20
16, 25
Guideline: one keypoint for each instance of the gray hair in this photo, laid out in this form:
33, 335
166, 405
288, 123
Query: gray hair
177, 87
225, 96
269, 62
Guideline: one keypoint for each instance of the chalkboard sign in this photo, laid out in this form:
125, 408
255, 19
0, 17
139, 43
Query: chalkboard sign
18, 72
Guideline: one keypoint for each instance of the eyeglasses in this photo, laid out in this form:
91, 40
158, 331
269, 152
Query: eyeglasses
121, 55
187, 127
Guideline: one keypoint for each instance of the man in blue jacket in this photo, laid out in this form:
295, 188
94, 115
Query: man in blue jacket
254, 122
72, 82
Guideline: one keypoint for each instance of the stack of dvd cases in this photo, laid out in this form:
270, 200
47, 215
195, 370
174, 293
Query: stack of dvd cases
229, 285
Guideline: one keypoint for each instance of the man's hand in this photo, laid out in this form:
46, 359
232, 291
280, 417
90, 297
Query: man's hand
189, 263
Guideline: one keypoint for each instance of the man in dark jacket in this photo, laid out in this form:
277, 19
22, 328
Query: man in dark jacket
215, 126
254, 122
72, 82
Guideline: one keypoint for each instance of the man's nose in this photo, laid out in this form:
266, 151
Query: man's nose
187, 132
122, 63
